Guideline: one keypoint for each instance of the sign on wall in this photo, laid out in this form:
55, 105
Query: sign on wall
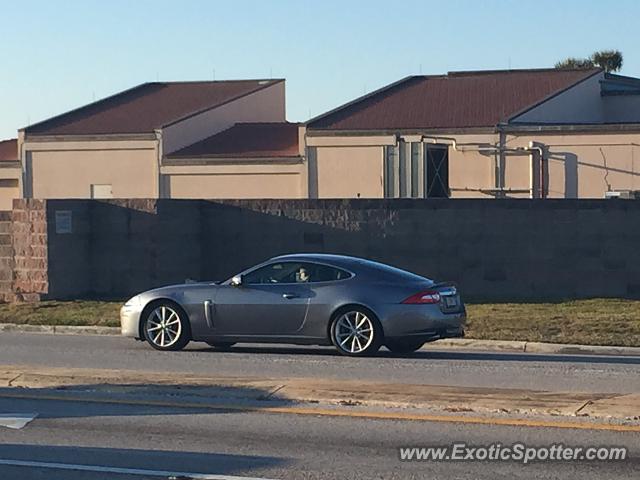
64, 223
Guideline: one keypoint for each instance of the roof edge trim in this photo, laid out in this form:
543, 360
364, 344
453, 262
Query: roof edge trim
74, 110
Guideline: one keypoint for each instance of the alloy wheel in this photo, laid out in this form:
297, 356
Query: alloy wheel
163, 327
354, 332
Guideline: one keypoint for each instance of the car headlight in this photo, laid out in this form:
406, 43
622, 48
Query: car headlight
133, 302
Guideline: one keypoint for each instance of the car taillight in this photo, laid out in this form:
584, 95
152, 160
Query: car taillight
428, 296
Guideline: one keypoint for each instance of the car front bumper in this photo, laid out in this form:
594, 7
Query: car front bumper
130, 320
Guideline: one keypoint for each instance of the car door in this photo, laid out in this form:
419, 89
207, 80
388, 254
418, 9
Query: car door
269, 302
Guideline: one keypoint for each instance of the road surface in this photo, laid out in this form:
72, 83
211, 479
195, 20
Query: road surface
79, 441
602, 374
103, 438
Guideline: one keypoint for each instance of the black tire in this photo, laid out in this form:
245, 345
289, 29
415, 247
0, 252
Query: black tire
337, 332
161, 337
404, 346
221, 345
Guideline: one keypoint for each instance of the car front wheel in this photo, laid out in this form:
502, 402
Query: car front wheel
356, 332
166, 327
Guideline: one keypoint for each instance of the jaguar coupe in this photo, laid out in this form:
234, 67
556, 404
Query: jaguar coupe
354, 304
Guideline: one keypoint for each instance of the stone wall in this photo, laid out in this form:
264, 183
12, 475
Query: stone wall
494, 249
6, 256
30, 250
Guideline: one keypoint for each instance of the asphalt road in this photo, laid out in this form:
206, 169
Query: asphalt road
453, 367
102, 437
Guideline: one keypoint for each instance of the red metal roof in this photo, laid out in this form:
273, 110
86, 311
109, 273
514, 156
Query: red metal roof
455, 100
9, 150
247, 140
147, 107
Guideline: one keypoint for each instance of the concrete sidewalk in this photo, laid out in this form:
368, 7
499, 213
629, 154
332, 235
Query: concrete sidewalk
196, 389
446, 344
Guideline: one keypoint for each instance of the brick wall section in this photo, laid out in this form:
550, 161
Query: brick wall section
6, 256
506, 249
30, 250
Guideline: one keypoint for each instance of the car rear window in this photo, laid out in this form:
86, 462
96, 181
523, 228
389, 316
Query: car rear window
325, 273
392, 272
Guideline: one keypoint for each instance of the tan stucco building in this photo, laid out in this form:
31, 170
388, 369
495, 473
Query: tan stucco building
515, 133
10, 173
248, 160
119, 147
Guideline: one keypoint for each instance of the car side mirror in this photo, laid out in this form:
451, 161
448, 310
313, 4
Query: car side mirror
236, 281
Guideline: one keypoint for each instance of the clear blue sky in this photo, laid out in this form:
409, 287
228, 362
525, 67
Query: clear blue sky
57, 55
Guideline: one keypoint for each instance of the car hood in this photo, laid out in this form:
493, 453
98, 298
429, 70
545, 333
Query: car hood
178, 287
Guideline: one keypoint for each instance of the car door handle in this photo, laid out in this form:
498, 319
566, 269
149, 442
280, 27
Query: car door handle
289, 296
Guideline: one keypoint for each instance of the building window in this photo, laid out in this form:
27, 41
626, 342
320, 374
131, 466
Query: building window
416, 170
9, 183
101, 191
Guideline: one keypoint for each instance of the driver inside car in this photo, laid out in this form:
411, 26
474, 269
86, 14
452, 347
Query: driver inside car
302, 275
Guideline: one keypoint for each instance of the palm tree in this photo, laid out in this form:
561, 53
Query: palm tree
608, 60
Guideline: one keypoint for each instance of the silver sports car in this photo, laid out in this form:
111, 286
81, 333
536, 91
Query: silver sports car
312, 299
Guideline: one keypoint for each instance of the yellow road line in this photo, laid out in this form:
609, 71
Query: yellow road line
500, 421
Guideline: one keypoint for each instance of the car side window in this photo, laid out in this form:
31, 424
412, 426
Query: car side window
294, 272
325, 273
282, 272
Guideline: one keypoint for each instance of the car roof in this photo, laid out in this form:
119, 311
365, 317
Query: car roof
322, 257
355, 264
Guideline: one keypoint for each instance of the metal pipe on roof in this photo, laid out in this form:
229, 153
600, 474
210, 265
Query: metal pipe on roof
500, 158
458, 147
490, 191
472, 146
536, 147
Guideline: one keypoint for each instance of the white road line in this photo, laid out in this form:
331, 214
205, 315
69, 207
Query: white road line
124, 471
16, 421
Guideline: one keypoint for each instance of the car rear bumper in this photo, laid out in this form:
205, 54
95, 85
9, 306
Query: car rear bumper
426, 322
431, 336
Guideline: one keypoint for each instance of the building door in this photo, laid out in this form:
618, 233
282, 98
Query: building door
436, 158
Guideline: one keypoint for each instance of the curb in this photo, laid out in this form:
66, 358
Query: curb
534, 347
446, 344
59, 329
487, 345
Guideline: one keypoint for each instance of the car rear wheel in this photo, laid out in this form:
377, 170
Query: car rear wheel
403, 346
166, 327
356, 332
221, 345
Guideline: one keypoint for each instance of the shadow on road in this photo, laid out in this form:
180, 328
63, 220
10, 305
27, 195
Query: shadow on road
137, 399
167, 460
430, 355
523, 357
